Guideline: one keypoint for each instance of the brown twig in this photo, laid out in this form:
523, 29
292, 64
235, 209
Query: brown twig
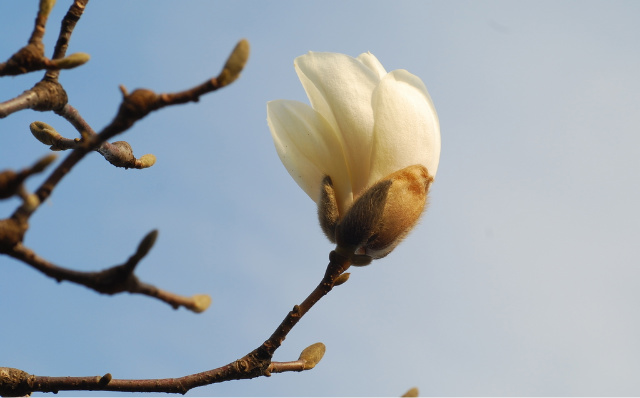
113, 280
338, 264
255, 364
66, 29
72, 115
141, 102
119, 153
46, 95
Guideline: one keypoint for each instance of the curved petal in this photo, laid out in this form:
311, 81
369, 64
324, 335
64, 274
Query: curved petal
309, 149
371, 62
340, 88
406, 130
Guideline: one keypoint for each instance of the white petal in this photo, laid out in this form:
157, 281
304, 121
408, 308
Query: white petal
309, 149
340, 88
406, 130
371, 62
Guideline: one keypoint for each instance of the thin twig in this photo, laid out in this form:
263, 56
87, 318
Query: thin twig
66, 29
72, 115
113, 280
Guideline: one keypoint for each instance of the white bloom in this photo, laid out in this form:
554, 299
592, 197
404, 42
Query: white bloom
374, 134
363, 124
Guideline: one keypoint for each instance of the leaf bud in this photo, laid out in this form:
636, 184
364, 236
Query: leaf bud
235, 63
341, 279
44, 133
312, 355
43, 163
70, 62
200, 303
145, 161
147, 243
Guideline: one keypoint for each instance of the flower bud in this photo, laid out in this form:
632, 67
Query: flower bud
385, 213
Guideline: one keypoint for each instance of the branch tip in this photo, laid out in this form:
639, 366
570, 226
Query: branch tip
43, 163
235, 63
312, 355
146, 161
72, 61
200, 303
146, 244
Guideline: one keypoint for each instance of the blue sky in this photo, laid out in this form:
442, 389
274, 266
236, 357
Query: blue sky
522, 278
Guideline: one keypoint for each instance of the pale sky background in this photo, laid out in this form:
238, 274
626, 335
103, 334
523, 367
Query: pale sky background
522, 278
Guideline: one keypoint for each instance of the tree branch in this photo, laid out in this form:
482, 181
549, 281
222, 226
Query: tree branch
113, 280
255, 364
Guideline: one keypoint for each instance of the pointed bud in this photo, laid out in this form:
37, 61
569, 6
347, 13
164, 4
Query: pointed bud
70, 62
147, 243
42, 163
312, 355
235, 63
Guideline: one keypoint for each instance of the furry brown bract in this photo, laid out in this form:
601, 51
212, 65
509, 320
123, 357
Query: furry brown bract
382, 217
366, 150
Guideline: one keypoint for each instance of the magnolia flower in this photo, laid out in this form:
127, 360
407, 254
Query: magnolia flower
365, 151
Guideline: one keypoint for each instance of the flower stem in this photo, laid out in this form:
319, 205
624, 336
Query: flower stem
338, 264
